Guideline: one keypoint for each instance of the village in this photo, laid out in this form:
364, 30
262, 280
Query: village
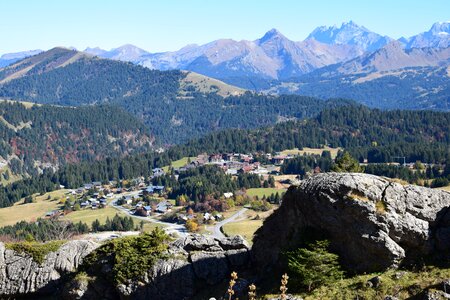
150, 198
142, 198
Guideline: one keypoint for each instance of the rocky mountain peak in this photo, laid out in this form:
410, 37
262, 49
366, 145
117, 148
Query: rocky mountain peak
270, 35
349, 33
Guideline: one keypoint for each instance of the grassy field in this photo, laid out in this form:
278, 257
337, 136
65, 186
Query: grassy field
246, 228
306, 150
31, 211
260, 192
178, 163
89, 215
206, 84
248, 225
24, 103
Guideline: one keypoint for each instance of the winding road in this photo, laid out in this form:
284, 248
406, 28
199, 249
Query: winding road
215, 229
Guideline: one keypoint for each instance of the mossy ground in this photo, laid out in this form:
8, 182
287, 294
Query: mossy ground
36, 250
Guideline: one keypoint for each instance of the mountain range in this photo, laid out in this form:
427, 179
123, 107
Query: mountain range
174, 105
274, 56
10, 58
348, 61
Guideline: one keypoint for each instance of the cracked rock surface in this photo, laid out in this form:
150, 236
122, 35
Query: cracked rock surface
20, 274
372, 223
194, 262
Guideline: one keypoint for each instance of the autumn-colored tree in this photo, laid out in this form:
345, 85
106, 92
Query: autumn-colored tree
191, 225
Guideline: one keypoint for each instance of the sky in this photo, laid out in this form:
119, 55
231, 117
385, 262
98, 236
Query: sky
167, 25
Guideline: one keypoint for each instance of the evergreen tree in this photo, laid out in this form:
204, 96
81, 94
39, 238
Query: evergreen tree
347, 163
314, 265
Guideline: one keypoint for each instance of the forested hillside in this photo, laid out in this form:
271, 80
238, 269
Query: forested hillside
409, 88
37, 137
378, 136
370, 134
173, 110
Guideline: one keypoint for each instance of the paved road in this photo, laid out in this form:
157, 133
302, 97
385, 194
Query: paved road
215, 229
180, 230
169, 228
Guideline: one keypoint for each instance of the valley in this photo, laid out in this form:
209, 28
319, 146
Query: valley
219, 157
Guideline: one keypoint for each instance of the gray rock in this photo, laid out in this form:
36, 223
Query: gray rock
210, 267
399, 275
445, 286
373, 223
238, 257
197, 242
194, 262
20, 274
435, 295
375, 282
235, 242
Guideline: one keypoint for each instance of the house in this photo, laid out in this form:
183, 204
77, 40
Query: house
151, 189
215, 158
84, 204
147, 209
88, 186
53, 213
144, 211
228, 195
127, 200
112, 183
245, 169
96, 184
279, 159
158, 172
158, 188
228, 156
148, 190
163, 207
246, 158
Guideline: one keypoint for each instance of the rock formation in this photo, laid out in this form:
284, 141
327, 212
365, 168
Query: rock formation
372, 223
20, 274
195, 262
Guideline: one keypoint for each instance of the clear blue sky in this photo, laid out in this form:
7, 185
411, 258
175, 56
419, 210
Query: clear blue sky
170, 24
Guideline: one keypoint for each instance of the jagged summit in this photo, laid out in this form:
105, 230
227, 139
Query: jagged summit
349, 33
438, 36
271, 34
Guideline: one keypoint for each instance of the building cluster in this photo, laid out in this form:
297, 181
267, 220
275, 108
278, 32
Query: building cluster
238, 163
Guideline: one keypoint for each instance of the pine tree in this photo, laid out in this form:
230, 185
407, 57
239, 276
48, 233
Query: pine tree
314, 266
346, 163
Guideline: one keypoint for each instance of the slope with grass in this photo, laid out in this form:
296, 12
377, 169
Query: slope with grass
31, 211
